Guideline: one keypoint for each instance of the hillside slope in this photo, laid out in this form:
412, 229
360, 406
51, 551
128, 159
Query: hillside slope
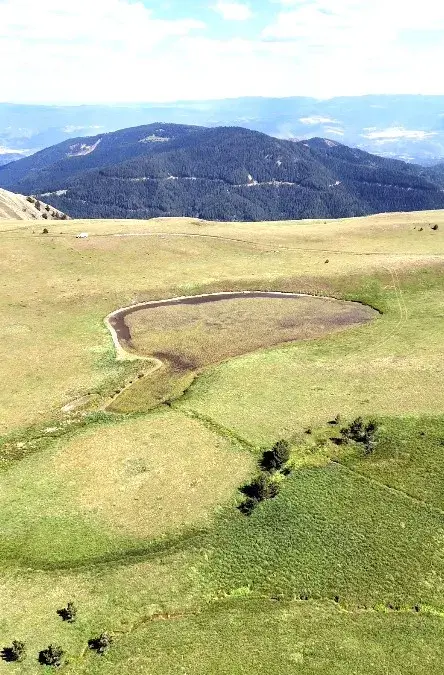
225, 173
19, 207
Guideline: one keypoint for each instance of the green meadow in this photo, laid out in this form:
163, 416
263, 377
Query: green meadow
119, 487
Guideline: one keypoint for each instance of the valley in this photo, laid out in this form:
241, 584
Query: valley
119, 486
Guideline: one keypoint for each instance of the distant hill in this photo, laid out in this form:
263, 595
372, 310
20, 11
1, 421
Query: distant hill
223, 173
19, 207
405, 127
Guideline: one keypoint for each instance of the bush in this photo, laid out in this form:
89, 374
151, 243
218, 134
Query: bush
45, 230
52, 656
274, 459
247, 507
16, 652
100, 644
262, 487
45, 216
68, 613
359, 432
30, 199
37, 205
434, 227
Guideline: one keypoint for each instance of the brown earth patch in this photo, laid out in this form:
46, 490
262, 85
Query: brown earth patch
188, 334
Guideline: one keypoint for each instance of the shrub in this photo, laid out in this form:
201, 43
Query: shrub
435, 227
30, 199
359, 432
262, 487
274, 459
37, 205
47, 207
16, 652
52, 656
336, 420
100, 644
247, 507
68, 613
45, 216
45, 230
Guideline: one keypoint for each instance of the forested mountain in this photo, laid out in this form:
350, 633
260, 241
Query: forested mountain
224, 173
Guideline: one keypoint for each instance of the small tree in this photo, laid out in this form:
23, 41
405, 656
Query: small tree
45, 230
100, 644
262, 487
68, 613
274, 459
434, 227
52, 656
16, 652
37, 205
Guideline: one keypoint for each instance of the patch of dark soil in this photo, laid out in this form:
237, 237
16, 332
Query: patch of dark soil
178, 362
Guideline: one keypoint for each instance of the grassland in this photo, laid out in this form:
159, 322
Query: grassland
133, 516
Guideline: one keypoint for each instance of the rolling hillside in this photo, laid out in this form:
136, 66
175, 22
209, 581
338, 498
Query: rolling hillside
225, 173
18, 207
123, 475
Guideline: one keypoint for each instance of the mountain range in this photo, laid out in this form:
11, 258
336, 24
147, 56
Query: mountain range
222, 173
404, 127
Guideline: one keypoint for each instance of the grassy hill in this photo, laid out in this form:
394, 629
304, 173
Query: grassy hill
26, 208
129, 510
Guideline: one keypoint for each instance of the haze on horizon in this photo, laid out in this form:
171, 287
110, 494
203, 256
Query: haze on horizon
123, 51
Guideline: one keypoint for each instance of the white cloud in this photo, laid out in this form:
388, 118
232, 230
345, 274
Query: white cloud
333, 130
317, 119
71, 128
10, 151
112, 51
233, 11
396, 133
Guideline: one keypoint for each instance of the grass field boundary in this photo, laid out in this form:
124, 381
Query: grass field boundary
389, 488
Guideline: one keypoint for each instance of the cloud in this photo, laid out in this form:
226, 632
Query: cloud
346, 24
317, 119
233, 11
120, 51
10, 151
71, 128
396, 133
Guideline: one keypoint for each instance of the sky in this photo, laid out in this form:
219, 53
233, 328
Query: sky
118, 51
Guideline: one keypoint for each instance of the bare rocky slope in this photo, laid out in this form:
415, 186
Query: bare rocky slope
19, 207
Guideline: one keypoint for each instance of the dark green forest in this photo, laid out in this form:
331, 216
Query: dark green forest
224, 173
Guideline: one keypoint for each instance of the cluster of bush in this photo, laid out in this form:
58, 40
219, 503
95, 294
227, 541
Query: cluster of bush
362, 433
275, 461
265, 486
53, 655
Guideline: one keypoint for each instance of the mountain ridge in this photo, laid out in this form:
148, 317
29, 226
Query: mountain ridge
220, 173
409, 127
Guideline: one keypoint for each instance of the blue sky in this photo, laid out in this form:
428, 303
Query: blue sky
114, 51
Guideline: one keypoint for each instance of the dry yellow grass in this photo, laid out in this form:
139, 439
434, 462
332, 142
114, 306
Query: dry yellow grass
147, 476
57, 289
